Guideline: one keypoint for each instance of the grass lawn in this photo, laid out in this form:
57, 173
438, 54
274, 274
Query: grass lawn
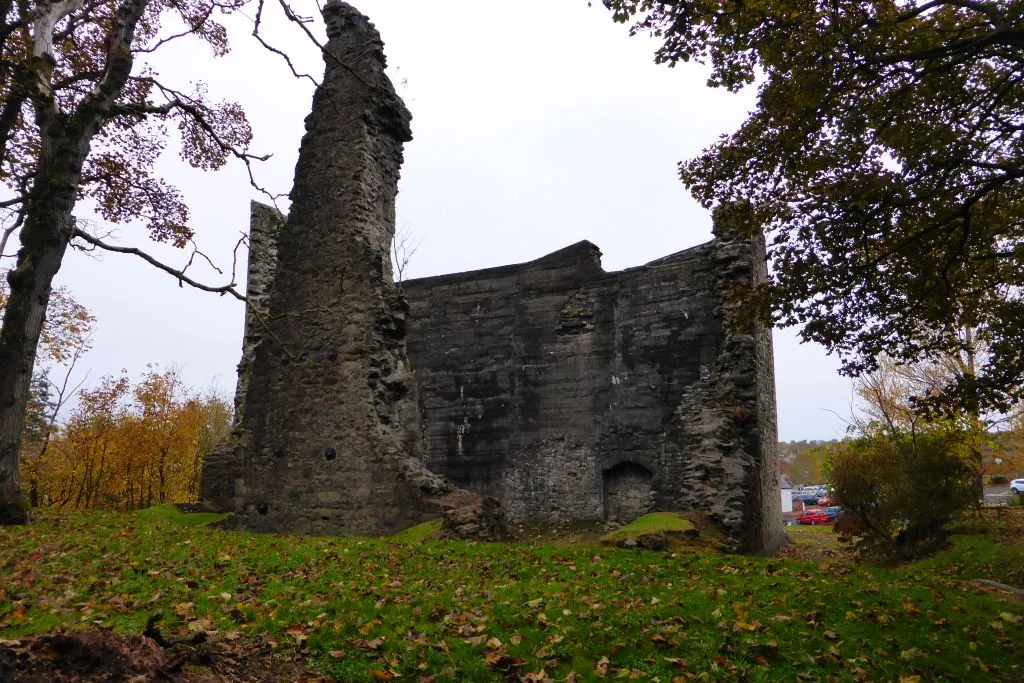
409, 608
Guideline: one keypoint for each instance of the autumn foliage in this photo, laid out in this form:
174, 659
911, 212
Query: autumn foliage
884, 161
900, 488
126, 446
85, 116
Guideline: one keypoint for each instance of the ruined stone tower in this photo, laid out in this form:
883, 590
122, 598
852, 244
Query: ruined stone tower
328, 404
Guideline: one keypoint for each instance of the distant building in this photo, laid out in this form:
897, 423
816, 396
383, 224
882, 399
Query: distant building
786, 491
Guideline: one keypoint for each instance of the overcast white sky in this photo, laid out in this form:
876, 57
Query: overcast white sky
536, 124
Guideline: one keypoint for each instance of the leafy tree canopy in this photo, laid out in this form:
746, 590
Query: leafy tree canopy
69, 69
85, 115
66, 331
884, 160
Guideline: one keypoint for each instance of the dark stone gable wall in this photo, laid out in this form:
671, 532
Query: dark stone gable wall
570, 393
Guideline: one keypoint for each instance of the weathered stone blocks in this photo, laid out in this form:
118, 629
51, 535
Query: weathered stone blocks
327, 437
574, 394
560, 390
481, 520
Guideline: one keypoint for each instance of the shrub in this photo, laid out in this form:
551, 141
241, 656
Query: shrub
900, 488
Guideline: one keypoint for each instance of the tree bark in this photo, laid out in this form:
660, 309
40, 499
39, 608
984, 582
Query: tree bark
64, 142
44, 240
48, 227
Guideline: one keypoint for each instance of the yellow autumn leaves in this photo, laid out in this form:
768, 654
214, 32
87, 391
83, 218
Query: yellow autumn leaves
125, 446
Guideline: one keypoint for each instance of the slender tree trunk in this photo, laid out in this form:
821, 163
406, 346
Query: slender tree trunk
974, 416
131, 488
98, 488
161, 493
86, 476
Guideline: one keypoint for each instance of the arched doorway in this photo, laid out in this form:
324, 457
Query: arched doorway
627, 492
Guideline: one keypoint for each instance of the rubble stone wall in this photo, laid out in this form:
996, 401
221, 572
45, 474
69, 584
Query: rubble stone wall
328, 415
563, 391
538, 380
217, 486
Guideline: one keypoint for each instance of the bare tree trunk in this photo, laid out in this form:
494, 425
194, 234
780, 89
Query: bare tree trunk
974, 415
162, 492
44, 240
63, 147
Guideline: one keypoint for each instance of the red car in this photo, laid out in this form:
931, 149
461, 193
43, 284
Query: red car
814, 517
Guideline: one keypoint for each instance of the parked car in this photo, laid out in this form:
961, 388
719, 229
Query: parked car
811, 495
1017, 486
814, 517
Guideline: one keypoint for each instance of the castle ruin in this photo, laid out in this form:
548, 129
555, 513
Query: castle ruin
565, 392
327, 438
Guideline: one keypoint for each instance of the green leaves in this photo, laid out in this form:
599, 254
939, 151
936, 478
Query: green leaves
884, 160
900, 488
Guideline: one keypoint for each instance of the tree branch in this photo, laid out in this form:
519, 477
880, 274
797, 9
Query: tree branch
184, 104
276, 51
994, 17
8, 231
293, 17
95, 108
45, 23
178, 274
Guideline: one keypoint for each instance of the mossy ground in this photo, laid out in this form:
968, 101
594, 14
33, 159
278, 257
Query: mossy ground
377, 609
668, 522
418, 533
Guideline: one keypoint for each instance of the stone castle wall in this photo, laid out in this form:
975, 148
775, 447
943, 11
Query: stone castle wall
327, 403
575, 394
564, 391
570, 393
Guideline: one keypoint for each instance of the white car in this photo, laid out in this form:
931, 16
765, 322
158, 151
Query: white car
1017, 486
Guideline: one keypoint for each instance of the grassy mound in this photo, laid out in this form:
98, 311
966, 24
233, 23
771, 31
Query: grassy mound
171, 515
668, 522
418, 533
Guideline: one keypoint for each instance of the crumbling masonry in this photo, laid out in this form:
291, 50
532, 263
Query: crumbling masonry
327, 440
570, 393
566, 392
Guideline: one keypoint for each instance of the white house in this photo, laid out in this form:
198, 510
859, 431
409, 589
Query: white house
786, 489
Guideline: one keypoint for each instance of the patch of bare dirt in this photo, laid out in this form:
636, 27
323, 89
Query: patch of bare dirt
108, 656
